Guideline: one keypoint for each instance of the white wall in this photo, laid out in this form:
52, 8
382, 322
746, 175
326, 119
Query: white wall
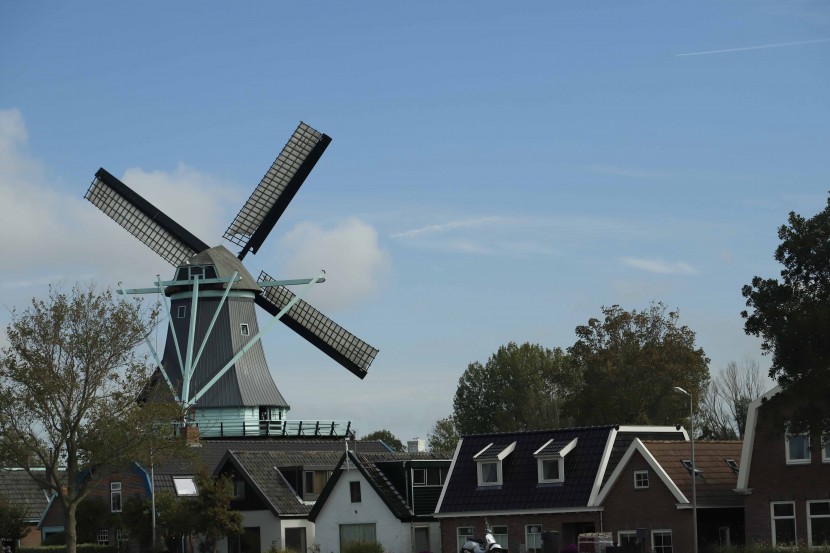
339, 509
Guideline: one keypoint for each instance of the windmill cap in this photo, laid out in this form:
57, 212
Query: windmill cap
225, 264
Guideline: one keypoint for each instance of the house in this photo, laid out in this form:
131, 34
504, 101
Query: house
784, 480
526, 484
651, 490
389, 498
18, 488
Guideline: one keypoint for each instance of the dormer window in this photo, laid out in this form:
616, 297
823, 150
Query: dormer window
489, 463
550, 460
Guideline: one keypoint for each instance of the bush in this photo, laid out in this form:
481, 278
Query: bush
362, 547
82, 548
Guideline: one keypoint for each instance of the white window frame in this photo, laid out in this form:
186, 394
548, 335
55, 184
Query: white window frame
540, 463
181, 312
462, 534
662, 531
185, 486
825, 448
244, 329
798, 461
102, 537
639, 483
480, 467
773, 518
500, 537
627, 534
810, 518
115, 492
528, 534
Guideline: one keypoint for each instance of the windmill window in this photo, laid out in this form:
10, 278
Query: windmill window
197, 272
244, 330
181, 311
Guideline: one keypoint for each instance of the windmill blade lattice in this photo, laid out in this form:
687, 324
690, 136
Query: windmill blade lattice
328, 336
142, 219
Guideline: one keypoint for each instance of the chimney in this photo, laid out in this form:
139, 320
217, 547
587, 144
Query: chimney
190, 434
416, 445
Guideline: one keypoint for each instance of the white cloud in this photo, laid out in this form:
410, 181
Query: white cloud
451, 225
659, 266
349, 252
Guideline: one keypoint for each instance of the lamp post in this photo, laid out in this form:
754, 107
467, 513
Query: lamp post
694, 471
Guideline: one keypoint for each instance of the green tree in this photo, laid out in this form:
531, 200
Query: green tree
13, 520
629, 363
792, 316
519, 388
207, 515
443, 437
69, 380
386, 437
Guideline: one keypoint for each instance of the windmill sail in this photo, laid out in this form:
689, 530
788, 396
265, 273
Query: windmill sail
328, 336
142, 219
267, 203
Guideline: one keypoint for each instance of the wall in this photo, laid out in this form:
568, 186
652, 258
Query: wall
339, 509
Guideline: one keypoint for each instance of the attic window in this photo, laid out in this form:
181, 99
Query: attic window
489, 463
185, 486
550, 460
688, 464
733, 465
244, 330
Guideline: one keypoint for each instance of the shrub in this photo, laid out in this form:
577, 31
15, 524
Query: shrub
82, 548
362, 547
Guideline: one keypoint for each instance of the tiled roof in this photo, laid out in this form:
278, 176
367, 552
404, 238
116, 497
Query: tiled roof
626, 435
521, 489
19, 488
553, 448
716, 479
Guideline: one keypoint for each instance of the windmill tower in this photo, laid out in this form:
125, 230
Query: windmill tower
213, 359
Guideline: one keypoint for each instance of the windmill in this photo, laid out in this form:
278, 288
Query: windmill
213, 359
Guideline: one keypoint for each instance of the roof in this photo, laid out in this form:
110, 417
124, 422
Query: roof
373, 467
749, 437
590, 455
209, 453
521, 489
226, 264
20, 489
716, 478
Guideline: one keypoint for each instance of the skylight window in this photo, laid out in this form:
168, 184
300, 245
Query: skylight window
688, 464
733, 465
185, 486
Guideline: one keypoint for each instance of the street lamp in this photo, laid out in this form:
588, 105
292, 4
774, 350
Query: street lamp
694, 471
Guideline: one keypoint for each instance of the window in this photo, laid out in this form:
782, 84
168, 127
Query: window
783, 523
103, 537
661, 541
185, 486
688, 464
489, 463
533, 538
797, 447
422, 538
354, 490
428, 477
244, 330
551, 470
462, 534
640, 479
724, 536
818, 523
181, 311
120, 535
238, 488
733, 464
313, 483
825, 451
115, 497
500, 535
488, 474
626, 537
356, 532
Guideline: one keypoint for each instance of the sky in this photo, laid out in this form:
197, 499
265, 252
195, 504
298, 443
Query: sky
498, 171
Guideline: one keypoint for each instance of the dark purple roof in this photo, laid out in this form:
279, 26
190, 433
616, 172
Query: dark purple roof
521, 489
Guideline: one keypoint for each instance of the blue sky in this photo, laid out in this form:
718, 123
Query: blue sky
498, 171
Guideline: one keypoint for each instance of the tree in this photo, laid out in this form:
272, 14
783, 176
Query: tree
792, 317
386, 437
69, 380
207, 515
13, 521
725, 403
519, 388
443, 437
630, 361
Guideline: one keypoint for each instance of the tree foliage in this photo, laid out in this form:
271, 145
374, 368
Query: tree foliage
13, 520
520, 387
629, 362
443, 437
206, 516
791, 315
386, 437
69, 380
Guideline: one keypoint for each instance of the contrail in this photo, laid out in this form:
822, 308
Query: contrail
778, 45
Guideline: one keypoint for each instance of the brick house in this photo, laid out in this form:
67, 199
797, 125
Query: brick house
18, 488
524, 484
650, 489
784, 478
